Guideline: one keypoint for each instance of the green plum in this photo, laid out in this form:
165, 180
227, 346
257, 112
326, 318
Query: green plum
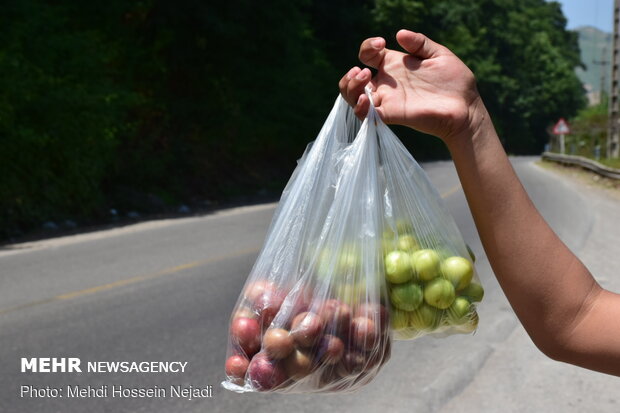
459, 310
407, 296
389, 235
414, 255
425, 317
324, 263
474, 292
361, 289
397, 267
388, 246
458, 270
439, 293
399, 319
346, 293
425, 264
351, 293
404, 226
348, 263
407, 243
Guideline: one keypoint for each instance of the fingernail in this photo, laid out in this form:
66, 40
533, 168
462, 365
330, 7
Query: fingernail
377, 43
359, 99
361, 75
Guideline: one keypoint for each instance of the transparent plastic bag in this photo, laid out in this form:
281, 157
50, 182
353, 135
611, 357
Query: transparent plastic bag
290, 244
346, 283
360, 242
432, 283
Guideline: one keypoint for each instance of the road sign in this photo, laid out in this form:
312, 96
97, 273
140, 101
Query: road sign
561, 128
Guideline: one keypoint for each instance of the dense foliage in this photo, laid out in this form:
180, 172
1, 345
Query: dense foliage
143, 105
588, 131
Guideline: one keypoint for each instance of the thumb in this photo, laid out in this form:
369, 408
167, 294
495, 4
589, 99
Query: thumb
417, 44
372, 52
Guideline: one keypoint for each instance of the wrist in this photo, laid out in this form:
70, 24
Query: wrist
477, 127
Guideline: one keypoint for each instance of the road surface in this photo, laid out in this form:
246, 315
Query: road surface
164, 290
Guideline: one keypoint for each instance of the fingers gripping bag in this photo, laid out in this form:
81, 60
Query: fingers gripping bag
293, 234
431, 279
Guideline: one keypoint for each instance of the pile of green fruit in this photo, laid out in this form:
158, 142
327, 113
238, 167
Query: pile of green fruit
430, 289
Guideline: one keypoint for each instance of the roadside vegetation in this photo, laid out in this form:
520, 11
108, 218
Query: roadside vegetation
111, 108
588, 135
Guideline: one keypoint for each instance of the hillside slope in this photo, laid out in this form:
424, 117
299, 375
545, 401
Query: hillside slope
593, 43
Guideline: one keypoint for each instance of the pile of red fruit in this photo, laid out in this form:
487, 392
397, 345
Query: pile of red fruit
283, 339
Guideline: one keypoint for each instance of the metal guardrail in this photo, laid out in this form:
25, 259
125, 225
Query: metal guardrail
584, 163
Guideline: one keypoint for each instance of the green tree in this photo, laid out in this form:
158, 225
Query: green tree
520, 51
135, 105
589, 130
60, 114
141, 105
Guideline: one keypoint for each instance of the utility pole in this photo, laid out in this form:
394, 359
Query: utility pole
603, 64
613, 134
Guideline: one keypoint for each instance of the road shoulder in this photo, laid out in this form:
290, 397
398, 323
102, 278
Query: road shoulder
517, 377
10, 249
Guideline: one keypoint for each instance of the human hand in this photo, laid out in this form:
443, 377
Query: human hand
428, 89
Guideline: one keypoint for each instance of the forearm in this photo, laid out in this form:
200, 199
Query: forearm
545, 283
564, 310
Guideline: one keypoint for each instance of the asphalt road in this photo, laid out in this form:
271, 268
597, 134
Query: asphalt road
164, 291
